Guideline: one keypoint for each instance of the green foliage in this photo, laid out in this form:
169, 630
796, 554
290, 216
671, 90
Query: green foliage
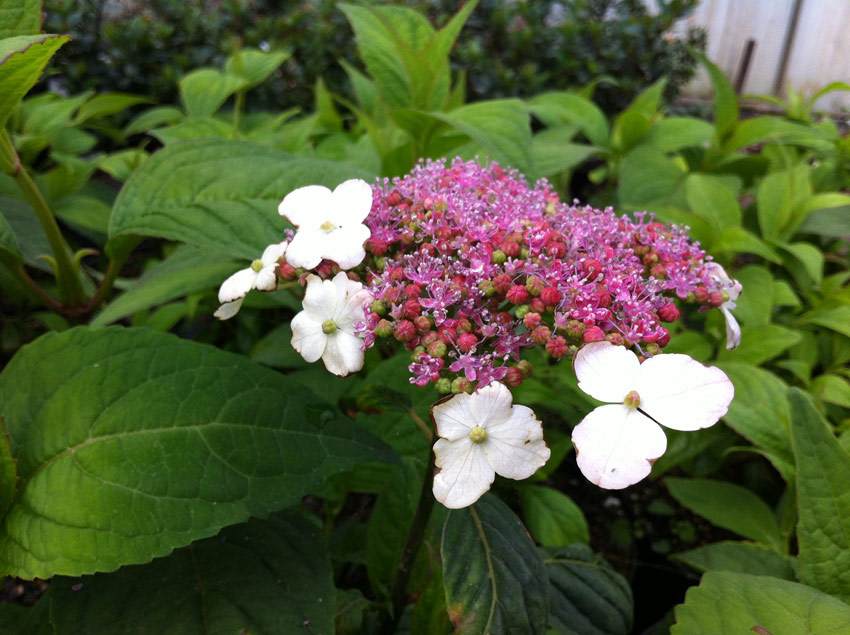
493, 576
189, 437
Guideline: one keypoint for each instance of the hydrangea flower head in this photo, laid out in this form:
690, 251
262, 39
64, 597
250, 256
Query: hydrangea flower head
330, 224
616, 444
260, 275
325, 328
483, 434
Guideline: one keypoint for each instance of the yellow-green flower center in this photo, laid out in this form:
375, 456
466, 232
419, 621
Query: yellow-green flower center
257, 265
328, 226
478, 434
632, 400
328, 327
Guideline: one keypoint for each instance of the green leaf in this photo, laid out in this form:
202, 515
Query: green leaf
832, 315
205, 90
755, 306
131, 443
761, 414
557, 109
218, 194
823, 500
120, 165
500, 126
435, 53
20, 17
760, 129
9, 250
647, 178
735, 239
832, 389
710, 198
8, 470
587, 597
194, 128
254, 66
739, 557
553, 519
106, 104
390, 522
675, 133
22, 59
833, 222
729, 506
30, 236
494, 579
725, 99
263, 577
154, 118
809, 257
727, 602
187, 270
86, 212
553, 153
779, 194
648, 102
761, 343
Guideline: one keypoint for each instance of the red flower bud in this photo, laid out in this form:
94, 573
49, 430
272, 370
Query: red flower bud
593, 334
551, 296
531, 320
668, 312
502, 283
411, 309
557, 347
541, 335
404, 331
466, 341
592, 268
394, 198
513, 377
517, 294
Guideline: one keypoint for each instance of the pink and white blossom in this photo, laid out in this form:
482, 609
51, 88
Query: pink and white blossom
261, 275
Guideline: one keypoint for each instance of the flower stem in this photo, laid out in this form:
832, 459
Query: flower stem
70, 286
415, 537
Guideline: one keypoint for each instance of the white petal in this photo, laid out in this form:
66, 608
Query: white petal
273, 253
490, 405
308, 339
465, 475
266, 279
733, 330
305, 250
681, 393
352, 202
307, 206
606, 372
616, 445
516, 448
320, 299
237, 285
343, 353
352, 296
228, 309
345, 245
452, 417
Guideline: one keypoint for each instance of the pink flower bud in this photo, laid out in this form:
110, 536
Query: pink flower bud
668, 312
466, 341
404, 331
557, 347
541, 334
517, 294
551, 296
593, 334
513, 377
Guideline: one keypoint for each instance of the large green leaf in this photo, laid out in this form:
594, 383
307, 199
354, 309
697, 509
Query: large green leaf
740, 557
727, 602
187, 270
557, 109
710, 198
647, 178
760, 343
267, 577
674, 133
779, 194
823, 500
832, 315
8, 470
20, 17
756, 305
729, 506
253, 65
587, 597
761, 414
499, 126
22, 59
495, 581
725, 99
218, 193
205, 90
552, 517
130, 443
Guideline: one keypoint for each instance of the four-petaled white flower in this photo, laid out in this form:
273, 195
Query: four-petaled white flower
733, 289
260, 275
482, 435
616, 444
330, 224
325, 328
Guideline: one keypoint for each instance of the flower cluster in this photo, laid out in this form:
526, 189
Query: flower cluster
466, 266
471, 266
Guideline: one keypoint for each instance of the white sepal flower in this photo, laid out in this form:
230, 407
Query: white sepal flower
330, 224
260, 275
733, 289
481, 435
325, 328
616, 444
